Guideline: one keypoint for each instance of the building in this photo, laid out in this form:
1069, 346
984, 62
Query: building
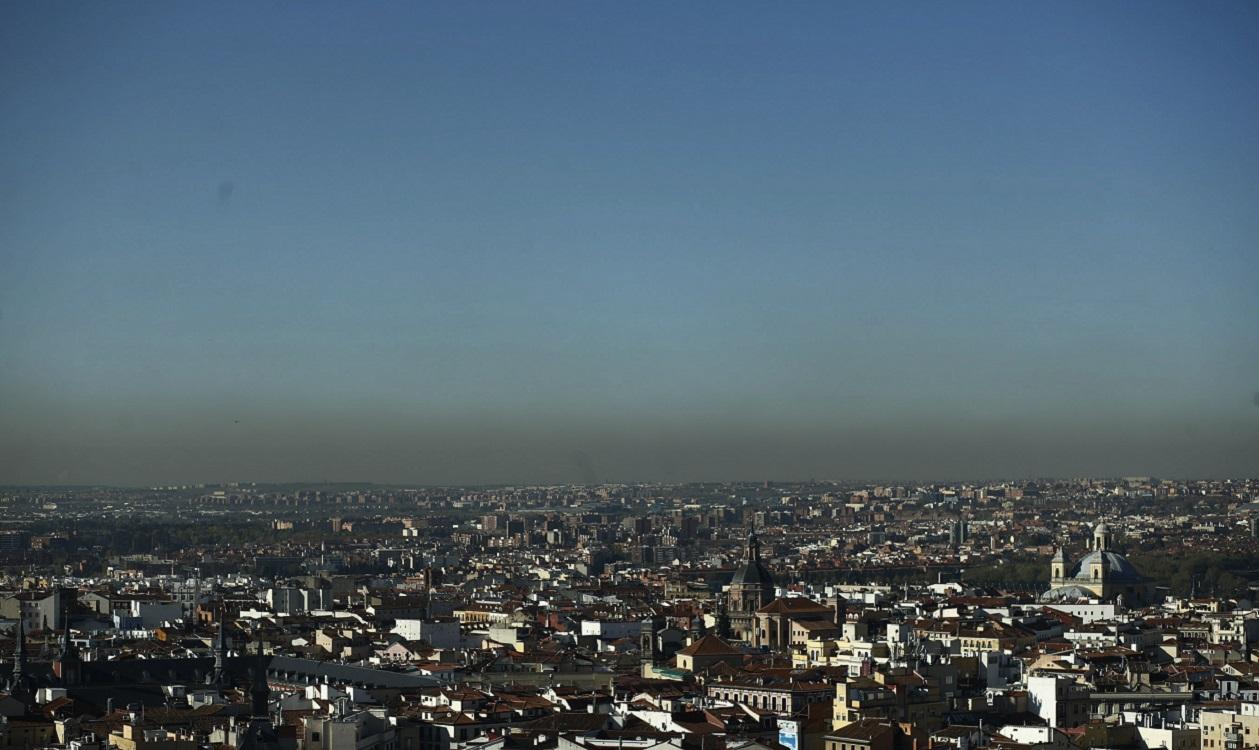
1226, 729
707, 652
751, 588
38, 610
788, 622
1060, 701
867, 734
902, 696
787, 697
132, 736
1101, 574
438, 633
350, 730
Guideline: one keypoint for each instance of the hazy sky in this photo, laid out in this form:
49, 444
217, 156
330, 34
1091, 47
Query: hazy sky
583, 241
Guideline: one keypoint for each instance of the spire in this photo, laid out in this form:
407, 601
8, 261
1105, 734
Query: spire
19, 652
1059, 556
428, 592
754, 547
220, 657
68, 650
67, 666
260, 693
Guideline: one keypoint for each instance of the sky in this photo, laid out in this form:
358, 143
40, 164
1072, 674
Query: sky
552, 242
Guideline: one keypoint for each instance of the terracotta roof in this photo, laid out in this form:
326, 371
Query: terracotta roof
862, 731
792, 605
709, 645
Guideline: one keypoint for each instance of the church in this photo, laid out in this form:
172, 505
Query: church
1101, 574
751, 588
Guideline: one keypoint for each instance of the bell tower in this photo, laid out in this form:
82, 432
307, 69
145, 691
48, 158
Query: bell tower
646, 648
1058, 568
1102, 541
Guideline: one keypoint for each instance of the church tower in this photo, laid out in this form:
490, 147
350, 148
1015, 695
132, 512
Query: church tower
647, 648
751, 588
1102, 541
68, 667
220, 677
19, 684
259, 734
19, 651
259, 691
1097, 570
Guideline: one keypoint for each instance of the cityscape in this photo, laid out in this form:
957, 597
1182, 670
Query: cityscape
629, 375
807, 616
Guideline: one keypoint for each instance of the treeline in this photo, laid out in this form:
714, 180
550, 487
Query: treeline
1215, 574
1016, 571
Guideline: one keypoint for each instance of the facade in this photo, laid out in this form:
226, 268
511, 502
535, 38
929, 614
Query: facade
38, 610
150, 614
906, 696
1226, 729
290, 600
134, 737
357, 730
438, 633
785, 697
781, 623
1060, 701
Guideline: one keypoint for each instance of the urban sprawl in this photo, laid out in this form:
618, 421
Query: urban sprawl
1015, 615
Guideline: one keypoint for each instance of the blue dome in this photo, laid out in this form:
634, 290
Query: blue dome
1120, 570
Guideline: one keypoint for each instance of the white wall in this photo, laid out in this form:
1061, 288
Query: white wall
436, 634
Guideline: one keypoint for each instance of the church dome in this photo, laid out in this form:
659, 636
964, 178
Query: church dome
753, 573
1119, 570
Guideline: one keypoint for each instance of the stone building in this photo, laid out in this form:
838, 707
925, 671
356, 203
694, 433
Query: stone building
1101, 574
751, 588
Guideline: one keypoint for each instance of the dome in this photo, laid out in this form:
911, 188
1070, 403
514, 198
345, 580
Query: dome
753, 573
1067, 594
1119, 570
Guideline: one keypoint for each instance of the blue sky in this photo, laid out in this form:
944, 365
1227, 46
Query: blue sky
511, 242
